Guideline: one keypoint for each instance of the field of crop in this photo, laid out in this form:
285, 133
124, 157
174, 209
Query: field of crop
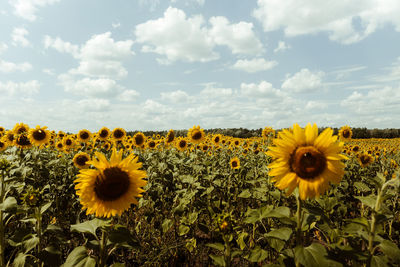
298, 197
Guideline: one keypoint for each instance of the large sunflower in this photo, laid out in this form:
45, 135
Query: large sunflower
113, 186
118, 134
80, 160
39, 135
305, 159
181, 144
196, 135
235, 163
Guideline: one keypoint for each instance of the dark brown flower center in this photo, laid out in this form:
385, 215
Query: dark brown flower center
152, 144
170, 137
365, 159
182, 143
1, 144
356, 148
39, 135
81, 160
103, 133
118, 134
139, 140
307, 162
111, 184
234, 164
346, 133
68, 142
21, 130
197, 135
23, 140
84, 135
216, 139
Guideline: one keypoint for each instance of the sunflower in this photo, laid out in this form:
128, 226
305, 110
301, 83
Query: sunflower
216, 139
151, 144
80, 160
20, 128
2, 131
84, 135
68, 142
118, 134
267, 131
39, 135
345, 133
235, 163
305, 159
139, 139
113, 186
181, 144
60, 135
196, 135
170, 137
365, 159
355, 149
3, 145
60, 146
8, 138
103, 134
22, 141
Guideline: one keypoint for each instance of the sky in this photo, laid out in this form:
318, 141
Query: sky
172, 64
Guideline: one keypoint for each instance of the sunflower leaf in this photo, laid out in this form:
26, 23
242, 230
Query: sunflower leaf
79, 258
89, 227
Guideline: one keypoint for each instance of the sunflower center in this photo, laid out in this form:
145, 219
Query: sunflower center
346, 133
84, 135
139, 139
307, 162
81, 160
364, 159
234, 164
170, 137
111, 184
68, 142
152, 144
103, 133
39, 135
118, 134
197, 135
23, 141
216, 140
1, 145
182, 143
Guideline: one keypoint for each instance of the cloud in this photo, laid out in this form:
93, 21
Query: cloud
264, 90
345, 22
94, 104
22, 89
152, 108
392, 73
8, 67
178, 96
3, 48
254, 65
304, 81
212, 92
61, 46
176, 37
239, 37
128, 96
18, 37
282, 46
27, 9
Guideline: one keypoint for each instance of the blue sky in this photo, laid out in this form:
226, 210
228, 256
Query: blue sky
157, 65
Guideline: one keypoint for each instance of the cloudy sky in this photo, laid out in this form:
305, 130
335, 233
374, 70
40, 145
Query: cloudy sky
161, 64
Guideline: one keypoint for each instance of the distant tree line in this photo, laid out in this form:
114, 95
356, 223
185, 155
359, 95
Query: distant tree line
361, 133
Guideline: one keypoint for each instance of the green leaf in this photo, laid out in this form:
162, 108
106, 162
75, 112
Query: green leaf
369, 200
240, 240
217, 246
192, 217
45, 207
378, 261
279, 212
19, 261
276, 244
218, 260
283, 233
120, 235
79, 258
254, 215
312, 255
362, 187
390, 249
89, 227
257, 254
9, 205
183, 229
245, 194
361, 221
166, 225
30, 243
191, 244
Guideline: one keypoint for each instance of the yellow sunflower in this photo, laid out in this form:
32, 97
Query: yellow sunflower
39, 135
113, 186
68, 142
139, 139
181, 144
103, 134
217, 139
84, 135
151, 144
8, 138
170, 137
2, 130
196, 135
267, 131
235, 163
305, 159
20, 128
3, 146
118, 134
365, 159
345, 133
80, 160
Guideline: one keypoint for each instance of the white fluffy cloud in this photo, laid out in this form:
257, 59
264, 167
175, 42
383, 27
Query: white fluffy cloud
7, 67
178, 96
20, 88
3, 48
93, 104
212, 92
254, 65
304, 81
128, 96
264, 90
61, 46
282, 46
344, 21
239, 37
152, 107
176, 37
27, 9
18, 37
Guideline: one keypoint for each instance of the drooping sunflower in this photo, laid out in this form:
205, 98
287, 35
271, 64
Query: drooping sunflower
84, 136
235, 163
217, 139
113, 186
118, 134
170, 137
20, 128
365, 159
9, 138
103, 134
80, 160
345, 133
3, 145
181, 144
138, 139
2, 131
39, 136
304, 159
196, 135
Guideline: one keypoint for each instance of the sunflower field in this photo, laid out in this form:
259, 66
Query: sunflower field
296, 197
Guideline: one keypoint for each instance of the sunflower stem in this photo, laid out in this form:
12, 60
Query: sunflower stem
2, 237
299, 239
103, 249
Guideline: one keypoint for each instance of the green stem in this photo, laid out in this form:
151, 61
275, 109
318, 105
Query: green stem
2, 237
103, 249
373, 222
227, 252
39, 233
299, 239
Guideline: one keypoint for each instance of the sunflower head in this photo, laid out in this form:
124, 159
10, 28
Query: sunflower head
68, 142
112, 186
304, 159
80, 160
20, 128
217, 139
22, 141
345, 133
84, 135
3, 145
39, 135
266, 132
365, 159
235, 163
196, 135
170, 137
139, 139
181, 144
118, 134
151, 144
103, 134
